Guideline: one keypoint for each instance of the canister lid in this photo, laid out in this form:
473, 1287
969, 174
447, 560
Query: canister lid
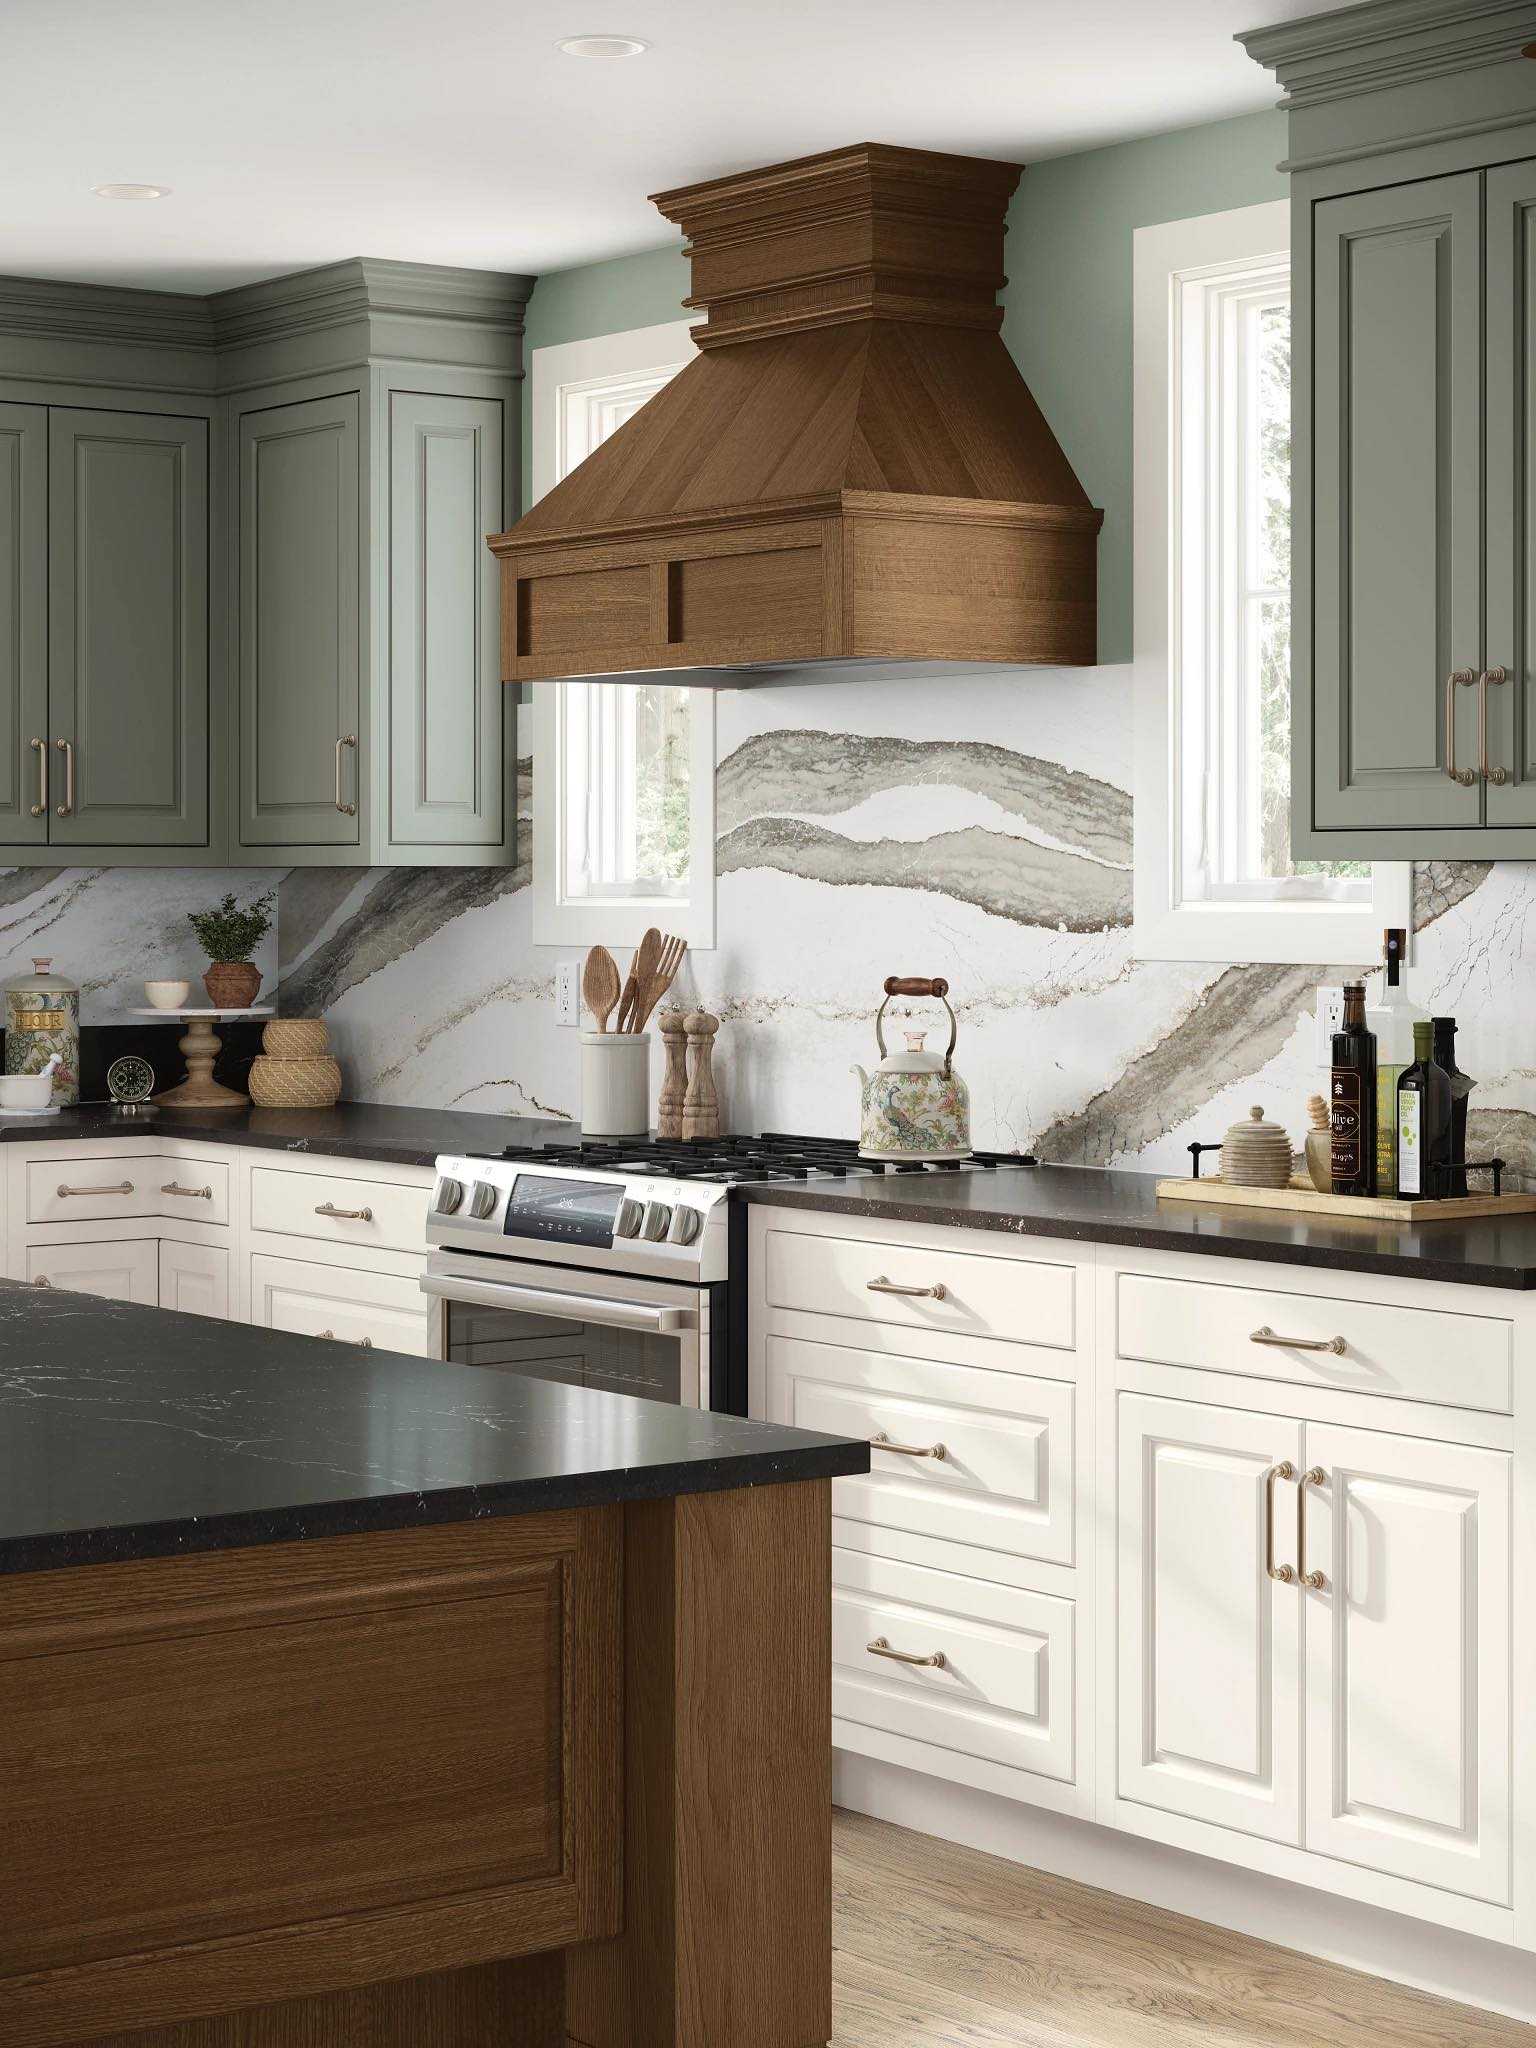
42, 980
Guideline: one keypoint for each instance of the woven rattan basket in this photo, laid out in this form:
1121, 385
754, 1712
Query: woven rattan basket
313, 1083
295, 1038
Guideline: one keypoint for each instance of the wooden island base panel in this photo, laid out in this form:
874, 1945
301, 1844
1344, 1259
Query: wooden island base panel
556, 1780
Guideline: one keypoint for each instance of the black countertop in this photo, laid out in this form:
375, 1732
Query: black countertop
350, 1130
130, 1432
1090, 1205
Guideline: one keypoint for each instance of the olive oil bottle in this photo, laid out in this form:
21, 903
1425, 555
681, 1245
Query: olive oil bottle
1352, 1099
1461, 1087
1423, 1122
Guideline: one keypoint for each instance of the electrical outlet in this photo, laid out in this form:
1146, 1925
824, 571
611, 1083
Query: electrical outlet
568, 993
1330, 1018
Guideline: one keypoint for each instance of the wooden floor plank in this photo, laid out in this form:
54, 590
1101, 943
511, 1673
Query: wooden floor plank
938, 1946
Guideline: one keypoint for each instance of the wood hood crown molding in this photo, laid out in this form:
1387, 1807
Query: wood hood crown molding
852, 468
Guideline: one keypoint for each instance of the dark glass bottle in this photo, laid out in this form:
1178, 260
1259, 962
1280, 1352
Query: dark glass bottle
1352, 1099
1461, 1087
1423, 1121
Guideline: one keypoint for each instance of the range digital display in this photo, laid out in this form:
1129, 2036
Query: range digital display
575, 1211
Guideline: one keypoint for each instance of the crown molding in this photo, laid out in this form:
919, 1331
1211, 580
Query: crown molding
55, 309
1384, 43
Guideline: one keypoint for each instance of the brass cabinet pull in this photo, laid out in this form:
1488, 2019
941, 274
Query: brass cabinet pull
1466, 677
883, 1286
1283, 1572
42, 777
123, 1187
344, 1215
66, 748
881, 1648
348, 739
1489, 677
192, 1194
1316, 1580
365, 1342
1265, 1335
881, 1442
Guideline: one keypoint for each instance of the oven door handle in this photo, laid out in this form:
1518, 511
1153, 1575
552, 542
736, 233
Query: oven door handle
582, 1308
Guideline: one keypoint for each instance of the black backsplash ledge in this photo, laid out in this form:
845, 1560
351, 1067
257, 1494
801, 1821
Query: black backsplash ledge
101, 1044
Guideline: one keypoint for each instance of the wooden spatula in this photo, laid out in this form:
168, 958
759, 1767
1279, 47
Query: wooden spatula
641, 968
600, 985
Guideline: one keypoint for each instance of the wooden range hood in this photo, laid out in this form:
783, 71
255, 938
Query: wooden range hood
850, 478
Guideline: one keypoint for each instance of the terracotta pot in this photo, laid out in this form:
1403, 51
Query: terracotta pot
232, 984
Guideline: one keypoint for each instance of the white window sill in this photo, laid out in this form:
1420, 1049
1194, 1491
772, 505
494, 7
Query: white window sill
1278, 934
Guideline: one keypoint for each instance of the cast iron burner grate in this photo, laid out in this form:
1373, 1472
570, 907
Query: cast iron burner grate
775, 1155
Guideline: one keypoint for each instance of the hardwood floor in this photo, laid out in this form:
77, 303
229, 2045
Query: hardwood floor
936, 1946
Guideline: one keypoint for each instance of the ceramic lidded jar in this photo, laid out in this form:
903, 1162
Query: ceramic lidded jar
914, 1105
42, 1017
1256, 1154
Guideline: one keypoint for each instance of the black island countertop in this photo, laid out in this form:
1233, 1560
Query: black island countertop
132, 1432
348, 1130
1090, 1205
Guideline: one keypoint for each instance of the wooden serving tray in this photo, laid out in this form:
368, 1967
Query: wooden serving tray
1301, 1198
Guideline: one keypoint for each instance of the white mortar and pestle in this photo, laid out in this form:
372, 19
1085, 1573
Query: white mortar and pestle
29, 1091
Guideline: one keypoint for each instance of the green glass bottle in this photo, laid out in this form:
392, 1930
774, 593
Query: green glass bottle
1461, 1087
1423, 1122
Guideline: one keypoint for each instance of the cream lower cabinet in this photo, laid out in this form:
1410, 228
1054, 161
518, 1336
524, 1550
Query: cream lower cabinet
194, 1277
126, 1269
355, 1307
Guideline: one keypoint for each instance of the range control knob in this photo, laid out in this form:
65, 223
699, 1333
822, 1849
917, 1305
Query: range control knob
449, 1197
628, 1220
483, 1199
658, 1217
686, 1224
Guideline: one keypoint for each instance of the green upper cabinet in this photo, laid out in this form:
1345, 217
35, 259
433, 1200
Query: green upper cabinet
23, 625
128, 630
300, 609
1510, 640
449, 719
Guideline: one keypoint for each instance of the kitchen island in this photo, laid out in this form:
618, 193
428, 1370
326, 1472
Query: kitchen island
353, 1698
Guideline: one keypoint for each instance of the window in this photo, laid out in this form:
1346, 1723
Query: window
624, 796
1214, 875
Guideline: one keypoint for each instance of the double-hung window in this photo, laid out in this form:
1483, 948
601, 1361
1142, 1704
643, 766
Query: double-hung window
623, 772
1214, 875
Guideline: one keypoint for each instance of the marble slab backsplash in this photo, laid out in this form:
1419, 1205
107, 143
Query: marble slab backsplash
981, 830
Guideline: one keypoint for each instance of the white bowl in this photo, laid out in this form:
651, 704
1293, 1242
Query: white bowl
167, 995
26, 1091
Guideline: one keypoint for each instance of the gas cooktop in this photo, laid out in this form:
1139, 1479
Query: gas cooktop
775, 1155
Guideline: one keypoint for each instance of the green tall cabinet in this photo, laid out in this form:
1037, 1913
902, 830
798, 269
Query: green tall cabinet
1413, 180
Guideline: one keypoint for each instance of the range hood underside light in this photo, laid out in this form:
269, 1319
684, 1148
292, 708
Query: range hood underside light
850, 479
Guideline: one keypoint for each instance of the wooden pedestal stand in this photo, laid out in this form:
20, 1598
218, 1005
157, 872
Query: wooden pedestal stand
201, 1046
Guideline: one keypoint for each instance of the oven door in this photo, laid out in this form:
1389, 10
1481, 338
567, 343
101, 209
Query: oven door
628, 1336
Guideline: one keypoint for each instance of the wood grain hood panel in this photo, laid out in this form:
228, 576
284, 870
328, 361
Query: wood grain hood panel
852, 472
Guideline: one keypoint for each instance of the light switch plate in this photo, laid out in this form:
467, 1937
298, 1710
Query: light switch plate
1330, 1018
568, 993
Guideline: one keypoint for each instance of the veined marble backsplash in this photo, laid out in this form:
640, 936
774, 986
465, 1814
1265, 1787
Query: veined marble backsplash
980, 830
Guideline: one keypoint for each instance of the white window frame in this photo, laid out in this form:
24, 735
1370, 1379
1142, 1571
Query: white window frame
577, 388
1253, 242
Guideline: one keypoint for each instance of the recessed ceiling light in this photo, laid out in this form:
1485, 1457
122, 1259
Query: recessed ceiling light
132, 191
603, 46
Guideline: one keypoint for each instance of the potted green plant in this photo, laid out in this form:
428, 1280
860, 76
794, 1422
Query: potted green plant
229, 934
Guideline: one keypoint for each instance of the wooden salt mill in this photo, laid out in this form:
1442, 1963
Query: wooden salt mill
673, 1025
701, 1105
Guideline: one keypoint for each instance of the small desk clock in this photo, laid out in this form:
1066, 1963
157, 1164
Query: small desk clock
130, 1081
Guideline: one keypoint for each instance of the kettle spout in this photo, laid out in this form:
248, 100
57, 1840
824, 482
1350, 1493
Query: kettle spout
863, 1077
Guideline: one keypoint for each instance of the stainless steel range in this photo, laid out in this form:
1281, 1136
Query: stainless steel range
618, 1265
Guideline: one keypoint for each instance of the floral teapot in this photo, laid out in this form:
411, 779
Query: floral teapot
914, 1105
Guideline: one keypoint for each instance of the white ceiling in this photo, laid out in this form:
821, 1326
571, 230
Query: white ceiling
295, 132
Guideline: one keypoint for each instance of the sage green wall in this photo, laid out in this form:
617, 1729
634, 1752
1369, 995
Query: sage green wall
1067, 316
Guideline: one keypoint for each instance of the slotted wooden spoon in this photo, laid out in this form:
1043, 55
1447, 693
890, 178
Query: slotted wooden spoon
600, 985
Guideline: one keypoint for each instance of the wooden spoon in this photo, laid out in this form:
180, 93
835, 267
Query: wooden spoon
600, 985
667, 964
641, 968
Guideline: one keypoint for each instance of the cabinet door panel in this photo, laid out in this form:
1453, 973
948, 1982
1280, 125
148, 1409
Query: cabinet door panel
194, 1278
300, 596
1408, 1659
1511, 638
1209, 1676
1397, 503
23, 620
447, 775
124, 1269
128, 627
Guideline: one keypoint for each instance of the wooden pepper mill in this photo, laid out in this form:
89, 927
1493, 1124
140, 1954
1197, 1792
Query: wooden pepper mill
701, 1105
673, 1025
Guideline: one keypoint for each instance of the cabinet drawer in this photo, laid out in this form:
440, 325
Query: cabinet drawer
125, 1269
1005, 1688
333, 1301
1004, 1481
1024, 1300
1413, 1354
340, 1210
197, 1189
87, 1190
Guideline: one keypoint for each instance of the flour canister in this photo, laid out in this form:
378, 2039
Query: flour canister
42, 1017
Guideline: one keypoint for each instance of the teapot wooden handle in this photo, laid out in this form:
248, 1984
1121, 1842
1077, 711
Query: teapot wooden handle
916, 985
